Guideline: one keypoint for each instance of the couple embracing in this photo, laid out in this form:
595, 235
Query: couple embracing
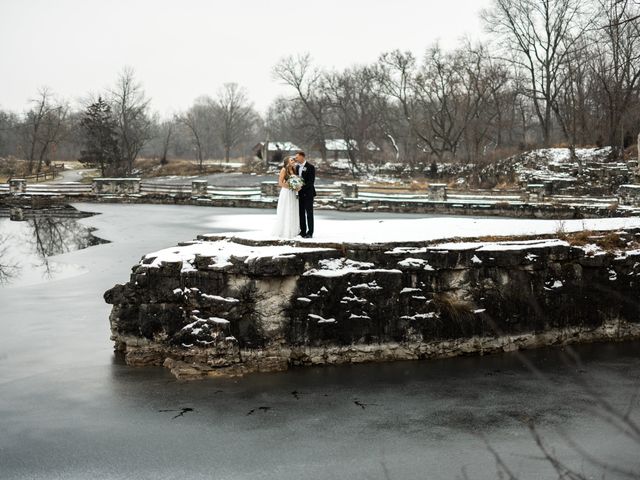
295, 204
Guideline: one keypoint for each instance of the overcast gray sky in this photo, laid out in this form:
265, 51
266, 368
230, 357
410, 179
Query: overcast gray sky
183, 49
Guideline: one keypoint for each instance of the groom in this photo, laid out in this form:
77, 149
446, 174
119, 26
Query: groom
307, 172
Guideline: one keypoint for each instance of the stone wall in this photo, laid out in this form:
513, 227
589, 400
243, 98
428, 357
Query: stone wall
218, 307
629, 195
500, 209
116, 186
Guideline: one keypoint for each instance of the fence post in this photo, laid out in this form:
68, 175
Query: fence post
349, 190
537, 189
17, 185
269, 189
437, 192
16, 214
199, 188
629, 195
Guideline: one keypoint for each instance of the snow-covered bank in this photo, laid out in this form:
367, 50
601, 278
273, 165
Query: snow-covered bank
416, 229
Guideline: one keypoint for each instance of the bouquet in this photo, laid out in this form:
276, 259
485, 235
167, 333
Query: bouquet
295, 182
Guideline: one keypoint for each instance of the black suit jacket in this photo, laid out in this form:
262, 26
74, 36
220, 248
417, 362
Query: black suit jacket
309, 177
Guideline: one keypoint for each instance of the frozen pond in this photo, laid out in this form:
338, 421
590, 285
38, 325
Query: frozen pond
70, 410
27, 246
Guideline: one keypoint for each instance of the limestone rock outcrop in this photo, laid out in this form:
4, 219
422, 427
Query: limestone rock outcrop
227, 306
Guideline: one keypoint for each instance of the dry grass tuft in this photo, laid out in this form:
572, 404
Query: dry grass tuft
150, 167
611, 241
453, 307
416, 186
13, 167
607, 241
580, 238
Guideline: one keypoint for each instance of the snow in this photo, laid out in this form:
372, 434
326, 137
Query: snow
127, 179
409, 290
222, 321
339, 266
556, 284
220, 252
428, 228
284, 146
340, 144
355, 299
500, 246
415, 262
562, 155
198, 320
402, 250
341, 164
420, 316
365, 286
336, 267
591, 249
218, 298
321, 319
475, 259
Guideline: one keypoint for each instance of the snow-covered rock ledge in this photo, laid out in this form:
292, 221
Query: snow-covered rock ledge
222, 307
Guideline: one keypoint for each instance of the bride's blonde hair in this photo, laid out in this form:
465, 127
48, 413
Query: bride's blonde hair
288, 169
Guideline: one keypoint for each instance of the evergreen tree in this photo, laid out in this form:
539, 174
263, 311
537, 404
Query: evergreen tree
101, 139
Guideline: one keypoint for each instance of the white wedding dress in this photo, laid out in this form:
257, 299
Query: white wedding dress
287, 215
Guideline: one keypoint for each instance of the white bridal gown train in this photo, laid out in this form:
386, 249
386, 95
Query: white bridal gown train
287, 215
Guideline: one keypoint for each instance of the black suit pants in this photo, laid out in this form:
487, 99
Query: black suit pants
305, 205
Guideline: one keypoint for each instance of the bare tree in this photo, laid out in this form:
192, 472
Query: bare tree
538, 36
235, 116
487, 88
167, 132
616, 64
130, 107
575, 99
354, 113
199, 120
44, 126
298, 73
395, 71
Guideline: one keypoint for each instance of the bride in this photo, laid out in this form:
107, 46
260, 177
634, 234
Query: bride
287, 214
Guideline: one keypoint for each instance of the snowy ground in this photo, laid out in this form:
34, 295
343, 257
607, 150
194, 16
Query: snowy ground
374, 230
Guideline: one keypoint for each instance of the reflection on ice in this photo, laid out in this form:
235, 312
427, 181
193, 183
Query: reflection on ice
27, 245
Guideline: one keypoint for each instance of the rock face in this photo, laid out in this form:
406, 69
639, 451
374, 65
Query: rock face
220, 307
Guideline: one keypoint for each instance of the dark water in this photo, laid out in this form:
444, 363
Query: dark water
27, 247
70, 410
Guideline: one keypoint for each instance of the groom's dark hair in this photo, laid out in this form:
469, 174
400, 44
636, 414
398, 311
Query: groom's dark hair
301, 153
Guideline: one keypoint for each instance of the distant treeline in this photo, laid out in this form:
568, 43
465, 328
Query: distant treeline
552, 72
